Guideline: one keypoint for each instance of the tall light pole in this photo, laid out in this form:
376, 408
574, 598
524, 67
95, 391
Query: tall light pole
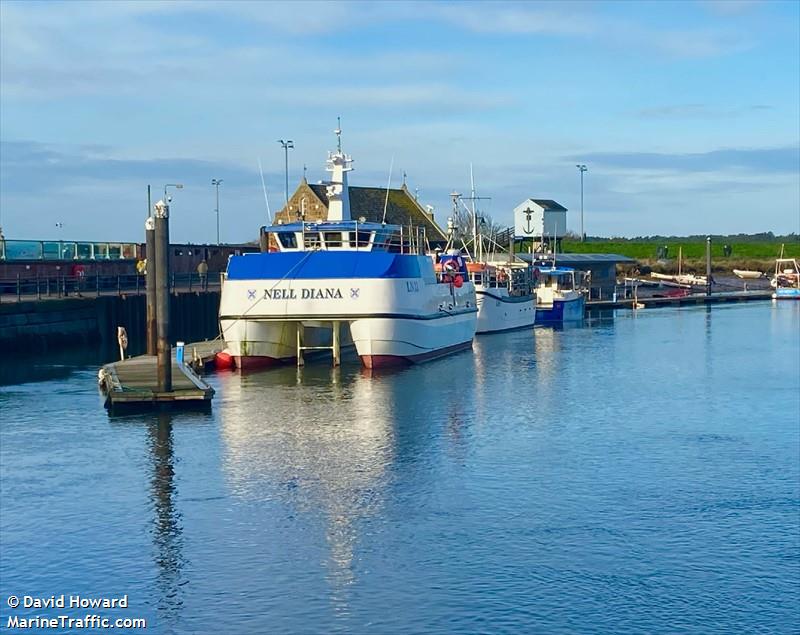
287, 145
582, 169
216, 183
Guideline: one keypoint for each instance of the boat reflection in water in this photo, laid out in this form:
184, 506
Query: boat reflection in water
319, 440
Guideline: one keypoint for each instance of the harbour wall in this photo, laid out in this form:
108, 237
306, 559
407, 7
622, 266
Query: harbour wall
37, 327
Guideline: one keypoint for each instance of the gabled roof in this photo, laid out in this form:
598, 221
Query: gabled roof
368, 202
549, 204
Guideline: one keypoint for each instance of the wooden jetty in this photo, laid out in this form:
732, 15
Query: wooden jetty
686, 300
133, 383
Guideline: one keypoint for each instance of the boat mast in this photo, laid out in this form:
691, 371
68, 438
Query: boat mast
339, 164
476, 246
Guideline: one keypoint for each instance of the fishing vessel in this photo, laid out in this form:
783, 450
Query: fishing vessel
558, 298
786, 280
323, 285
505, 294
504, 284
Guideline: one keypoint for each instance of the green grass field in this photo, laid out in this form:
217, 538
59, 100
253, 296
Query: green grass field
691, 250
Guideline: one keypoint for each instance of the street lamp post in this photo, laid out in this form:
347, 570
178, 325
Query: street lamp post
177, 186
287, 145
582, 169
216, 183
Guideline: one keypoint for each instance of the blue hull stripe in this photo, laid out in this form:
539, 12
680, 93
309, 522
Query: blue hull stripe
571, 311
323, 264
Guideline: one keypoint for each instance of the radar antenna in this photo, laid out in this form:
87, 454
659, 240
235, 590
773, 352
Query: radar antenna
338, 133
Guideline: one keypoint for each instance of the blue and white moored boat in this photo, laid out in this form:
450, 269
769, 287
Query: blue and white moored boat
786, 280
558, 300
343, 281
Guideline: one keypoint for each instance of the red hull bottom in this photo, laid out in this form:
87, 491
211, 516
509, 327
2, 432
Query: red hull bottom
391, 361
253, 362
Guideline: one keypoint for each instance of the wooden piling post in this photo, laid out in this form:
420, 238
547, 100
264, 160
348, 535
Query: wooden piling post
708, 265
163, 348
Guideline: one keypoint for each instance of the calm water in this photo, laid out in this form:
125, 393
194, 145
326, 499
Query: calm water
640, 474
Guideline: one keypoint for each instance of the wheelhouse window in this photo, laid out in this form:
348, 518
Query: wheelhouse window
288, 240
359, 239
333, 239
312, 240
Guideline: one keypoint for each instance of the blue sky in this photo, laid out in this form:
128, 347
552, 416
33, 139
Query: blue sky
687, 114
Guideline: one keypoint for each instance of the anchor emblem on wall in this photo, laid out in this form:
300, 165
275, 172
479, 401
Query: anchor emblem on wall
528, 213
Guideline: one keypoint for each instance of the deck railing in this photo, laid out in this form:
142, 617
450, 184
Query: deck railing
40, 288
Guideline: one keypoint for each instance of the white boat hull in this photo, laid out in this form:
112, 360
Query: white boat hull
389, 320
746, 274
497, 311
257, 343
384, 342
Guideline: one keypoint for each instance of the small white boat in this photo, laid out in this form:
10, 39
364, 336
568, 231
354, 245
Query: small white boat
683, 279
747, 274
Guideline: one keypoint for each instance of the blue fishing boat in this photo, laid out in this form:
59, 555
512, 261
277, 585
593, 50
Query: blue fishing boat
558, 300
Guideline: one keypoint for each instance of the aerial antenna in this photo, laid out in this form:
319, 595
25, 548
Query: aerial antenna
338, 132
388, 185
264, 187
476, 245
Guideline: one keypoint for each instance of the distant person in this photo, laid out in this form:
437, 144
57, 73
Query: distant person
202, 269
141, 267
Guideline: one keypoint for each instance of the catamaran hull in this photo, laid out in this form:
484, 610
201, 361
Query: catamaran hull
256, 344
561, 311
503, 313
382, 342
388, 319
